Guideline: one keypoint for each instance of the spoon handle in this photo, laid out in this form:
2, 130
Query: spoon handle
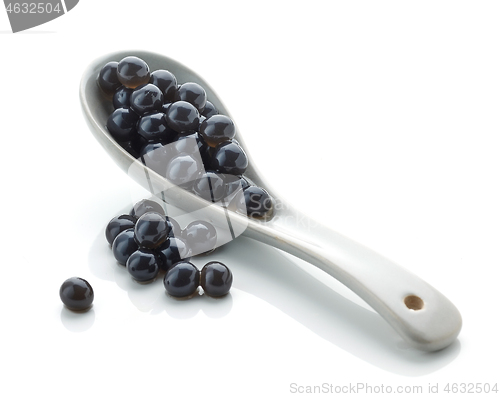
423, 316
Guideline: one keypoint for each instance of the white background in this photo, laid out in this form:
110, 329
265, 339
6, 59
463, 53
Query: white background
379, 118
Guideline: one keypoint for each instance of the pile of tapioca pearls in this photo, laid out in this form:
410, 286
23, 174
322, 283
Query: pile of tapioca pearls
179, 134
148, 243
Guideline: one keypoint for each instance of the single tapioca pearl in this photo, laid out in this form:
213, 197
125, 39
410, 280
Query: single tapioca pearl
184, 169
145, 205
133, 72
193, 93
143, 265
200, 237
166, 82
151, 230
124, 245
108, 78
153, 127
183, 116
182, 280
209, 110
210, 186
146, 99
229, 158
173, 250
217, 129
122, 124
155, 156
216, 279
121, 98
258, 201
117, 225
77, 294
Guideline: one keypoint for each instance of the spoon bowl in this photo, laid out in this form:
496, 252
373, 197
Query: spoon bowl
424, 317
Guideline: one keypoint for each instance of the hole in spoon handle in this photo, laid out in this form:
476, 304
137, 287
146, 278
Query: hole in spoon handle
414, 302
423, 316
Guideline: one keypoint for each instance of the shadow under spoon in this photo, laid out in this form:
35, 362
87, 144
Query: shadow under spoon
423, 316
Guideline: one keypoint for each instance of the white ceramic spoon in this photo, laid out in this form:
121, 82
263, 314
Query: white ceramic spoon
419, 313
